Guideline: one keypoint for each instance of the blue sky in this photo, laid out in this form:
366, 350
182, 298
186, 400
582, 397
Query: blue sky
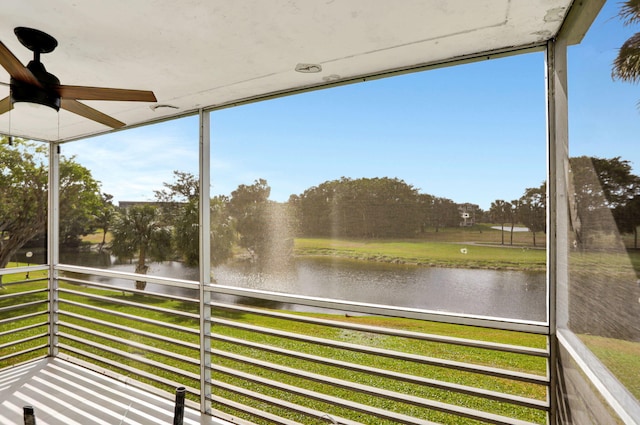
472, 133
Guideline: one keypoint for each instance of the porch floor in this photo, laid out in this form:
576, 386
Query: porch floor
63, 393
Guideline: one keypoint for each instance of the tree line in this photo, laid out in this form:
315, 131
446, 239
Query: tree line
380, 207
529, 210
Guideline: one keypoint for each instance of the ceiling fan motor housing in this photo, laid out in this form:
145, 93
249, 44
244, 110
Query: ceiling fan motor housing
46, 95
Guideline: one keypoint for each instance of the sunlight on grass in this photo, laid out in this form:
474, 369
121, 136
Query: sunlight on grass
621, 357
423, 253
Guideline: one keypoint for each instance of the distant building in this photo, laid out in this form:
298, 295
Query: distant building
468, 214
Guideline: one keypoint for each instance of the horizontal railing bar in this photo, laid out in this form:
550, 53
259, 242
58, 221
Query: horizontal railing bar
109, 337
325, 398
248, 410
494, 346
130, 356
131, 330
373, 391
20, 282
135, 371
441, 385
26, 351
130, 303
20, 294
23, 340
128, 290
129, 316
24, 316
181, 283
432, 361
386, 310
284, 404
23, 328
24, 269
23, 305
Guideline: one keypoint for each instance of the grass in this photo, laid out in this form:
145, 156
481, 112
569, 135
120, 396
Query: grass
96, 238
426, 253
622, 358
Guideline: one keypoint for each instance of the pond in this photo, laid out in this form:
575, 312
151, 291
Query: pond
497, 293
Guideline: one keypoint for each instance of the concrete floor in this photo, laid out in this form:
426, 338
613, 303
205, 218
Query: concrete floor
63, 393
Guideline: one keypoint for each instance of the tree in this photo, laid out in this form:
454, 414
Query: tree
603, 182
601, 187
626, 66
248, 208
426, 210
23, 196
444, 213
264, 228
627, 218
139, 230
80, 202
533, 210
513, 214
179, 202
105, 216
222, 230
500, 211
377, 207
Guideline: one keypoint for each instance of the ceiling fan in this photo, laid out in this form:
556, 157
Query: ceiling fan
33, 84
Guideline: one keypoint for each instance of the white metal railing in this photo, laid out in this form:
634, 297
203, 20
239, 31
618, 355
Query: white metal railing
272, 364
335, 349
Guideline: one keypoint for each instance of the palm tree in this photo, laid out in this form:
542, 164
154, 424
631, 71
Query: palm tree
139, 231
500, 211
626, 66
104, 217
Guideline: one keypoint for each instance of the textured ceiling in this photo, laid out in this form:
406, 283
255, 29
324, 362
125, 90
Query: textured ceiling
204, 53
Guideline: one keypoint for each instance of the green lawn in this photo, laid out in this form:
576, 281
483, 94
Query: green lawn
622, 358
426, 253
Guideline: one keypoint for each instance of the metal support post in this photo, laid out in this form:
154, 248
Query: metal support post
205, 261
557, 214
53, 232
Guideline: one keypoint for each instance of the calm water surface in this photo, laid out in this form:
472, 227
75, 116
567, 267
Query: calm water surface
508, 294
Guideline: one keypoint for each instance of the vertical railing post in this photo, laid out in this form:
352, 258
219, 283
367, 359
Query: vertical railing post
557, 213
29, 415
53, 232
178, 411
205, 260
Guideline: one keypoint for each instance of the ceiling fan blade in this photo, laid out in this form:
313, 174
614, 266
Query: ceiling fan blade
90, 113
5, 105
15, 68
104, 93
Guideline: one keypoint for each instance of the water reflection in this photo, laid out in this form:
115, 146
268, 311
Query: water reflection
508, 294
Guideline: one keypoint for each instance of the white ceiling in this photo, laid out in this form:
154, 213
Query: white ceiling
204, 53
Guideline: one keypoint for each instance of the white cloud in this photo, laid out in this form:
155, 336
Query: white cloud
132, 164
